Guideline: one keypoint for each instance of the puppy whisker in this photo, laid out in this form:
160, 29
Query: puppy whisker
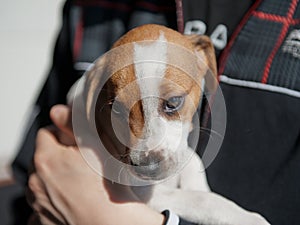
108, 103
212, 133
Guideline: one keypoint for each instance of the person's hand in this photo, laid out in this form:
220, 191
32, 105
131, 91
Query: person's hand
63, 189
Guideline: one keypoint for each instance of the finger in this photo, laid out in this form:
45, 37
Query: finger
41, 219
45, 140
34, 220
38, 198
48, 153
48, 149
47, 217
61, 136
62, 118
34, 186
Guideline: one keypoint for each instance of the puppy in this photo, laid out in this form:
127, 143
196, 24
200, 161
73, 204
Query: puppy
143, 95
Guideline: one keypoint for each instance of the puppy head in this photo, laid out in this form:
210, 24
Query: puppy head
147, 106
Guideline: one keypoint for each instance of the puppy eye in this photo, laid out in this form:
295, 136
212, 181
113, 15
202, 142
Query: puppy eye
173, 104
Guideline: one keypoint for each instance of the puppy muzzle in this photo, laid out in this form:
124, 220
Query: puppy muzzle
152, 165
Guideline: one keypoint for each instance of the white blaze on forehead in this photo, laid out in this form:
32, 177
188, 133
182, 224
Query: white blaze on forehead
150, 67
159, 134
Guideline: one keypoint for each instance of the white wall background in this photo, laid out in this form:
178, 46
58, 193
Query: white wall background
27, 33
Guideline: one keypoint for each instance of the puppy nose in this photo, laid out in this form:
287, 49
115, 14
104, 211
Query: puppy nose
149, 165
150, 158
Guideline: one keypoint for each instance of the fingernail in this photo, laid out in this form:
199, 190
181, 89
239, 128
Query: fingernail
56, 112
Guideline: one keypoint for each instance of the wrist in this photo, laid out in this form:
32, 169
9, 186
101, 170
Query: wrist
140, 213
129, 213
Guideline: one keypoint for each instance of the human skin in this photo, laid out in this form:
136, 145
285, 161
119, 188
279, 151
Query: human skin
63, 189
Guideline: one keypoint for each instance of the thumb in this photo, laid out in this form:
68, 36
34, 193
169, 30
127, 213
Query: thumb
62, 118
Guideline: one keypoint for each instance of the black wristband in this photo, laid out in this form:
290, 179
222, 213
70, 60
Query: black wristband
184, 222
172, 219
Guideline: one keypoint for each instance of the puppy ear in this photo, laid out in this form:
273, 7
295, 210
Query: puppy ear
93, 79
205, 50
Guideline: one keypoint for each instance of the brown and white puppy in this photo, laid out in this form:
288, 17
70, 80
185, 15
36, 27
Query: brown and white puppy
151, 85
